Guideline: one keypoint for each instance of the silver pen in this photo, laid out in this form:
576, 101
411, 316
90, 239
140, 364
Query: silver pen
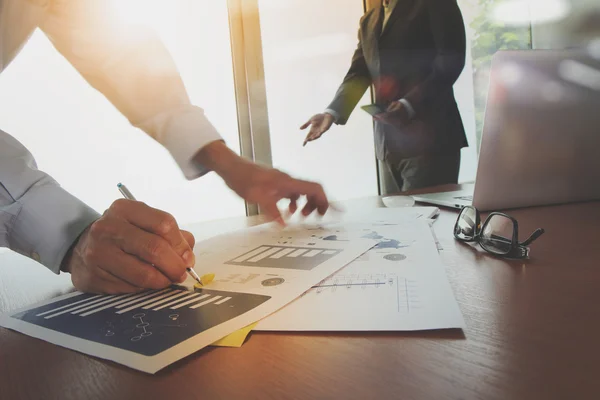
129, 196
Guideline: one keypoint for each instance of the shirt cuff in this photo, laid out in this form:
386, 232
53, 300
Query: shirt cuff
48, 222
184, 133
334, 114
409, 108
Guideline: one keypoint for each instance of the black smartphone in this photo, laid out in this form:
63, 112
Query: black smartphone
373, 109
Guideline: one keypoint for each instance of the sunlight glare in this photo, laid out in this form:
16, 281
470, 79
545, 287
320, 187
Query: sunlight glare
140, 12
523, 12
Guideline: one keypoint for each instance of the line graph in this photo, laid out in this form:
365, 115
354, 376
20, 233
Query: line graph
349, 281
352, 289
351, 284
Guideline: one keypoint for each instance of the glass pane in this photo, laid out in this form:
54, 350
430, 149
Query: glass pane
497, 234
305, 62
466, 224
307, 48
464, 93
561, 24
85, 144
492, 25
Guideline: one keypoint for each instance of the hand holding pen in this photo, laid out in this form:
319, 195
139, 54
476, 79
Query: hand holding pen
129, 196
131, 247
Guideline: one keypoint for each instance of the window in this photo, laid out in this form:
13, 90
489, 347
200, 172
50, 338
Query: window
307, 48
492, 25
82, 141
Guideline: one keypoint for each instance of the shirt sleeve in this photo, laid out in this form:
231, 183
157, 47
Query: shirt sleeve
409, 108
38, 218
133, 69
333, 113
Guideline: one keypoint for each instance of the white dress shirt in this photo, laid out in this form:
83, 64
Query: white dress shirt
133, 69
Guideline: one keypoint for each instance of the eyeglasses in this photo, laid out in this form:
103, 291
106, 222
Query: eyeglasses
498, 235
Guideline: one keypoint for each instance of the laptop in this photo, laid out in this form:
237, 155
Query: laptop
541, 134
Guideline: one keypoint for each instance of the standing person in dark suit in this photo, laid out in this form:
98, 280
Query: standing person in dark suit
412, 52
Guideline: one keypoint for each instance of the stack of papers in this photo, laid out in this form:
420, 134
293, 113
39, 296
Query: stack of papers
379, 271
398, 285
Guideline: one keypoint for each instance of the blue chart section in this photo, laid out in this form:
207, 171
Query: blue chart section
384, 243
287, 257
147, 323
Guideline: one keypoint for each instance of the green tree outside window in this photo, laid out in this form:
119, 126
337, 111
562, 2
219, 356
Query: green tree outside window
490, 36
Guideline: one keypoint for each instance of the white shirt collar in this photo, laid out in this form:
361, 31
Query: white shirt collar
390, 5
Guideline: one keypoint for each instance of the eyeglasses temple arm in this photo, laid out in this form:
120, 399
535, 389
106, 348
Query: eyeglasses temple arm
536, 234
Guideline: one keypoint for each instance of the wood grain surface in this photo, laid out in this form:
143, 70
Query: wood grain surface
533, 332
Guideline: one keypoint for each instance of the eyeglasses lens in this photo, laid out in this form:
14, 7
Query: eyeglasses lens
465, 228
496, 236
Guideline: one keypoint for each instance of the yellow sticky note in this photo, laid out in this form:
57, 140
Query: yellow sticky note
206, 279
235, 339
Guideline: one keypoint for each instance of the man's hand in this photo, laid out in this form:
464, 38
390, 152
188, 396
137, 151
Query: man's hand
319, 124
266, 186
396, 114
262, 185
130, 248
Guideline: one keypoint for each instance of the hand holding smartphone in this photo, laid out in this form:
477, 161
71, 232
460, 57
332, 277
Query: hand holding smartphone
373, 109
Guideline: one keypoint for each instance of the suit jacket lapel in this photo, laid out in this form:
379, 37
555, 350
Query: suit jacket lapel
405, 9
372, 33
396, 12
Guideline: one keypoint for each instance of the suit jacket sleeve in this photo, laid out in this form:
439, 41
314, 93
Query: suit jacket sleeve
450, 43
38, 218
356, 82
134, 70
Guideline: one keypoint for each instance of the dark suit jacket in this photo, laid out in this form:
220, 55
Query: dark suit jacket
419, 56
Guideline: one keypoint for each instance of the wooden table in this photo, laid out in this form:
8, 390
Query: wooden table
533, 332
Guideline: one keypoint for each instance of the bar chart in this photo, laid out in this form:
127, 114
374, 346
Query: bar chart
146, 323
286, 257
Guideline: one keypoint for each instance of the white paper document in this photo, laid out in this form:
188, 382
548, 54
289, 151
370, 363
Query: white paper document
258, 271
380, 215
399, 285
